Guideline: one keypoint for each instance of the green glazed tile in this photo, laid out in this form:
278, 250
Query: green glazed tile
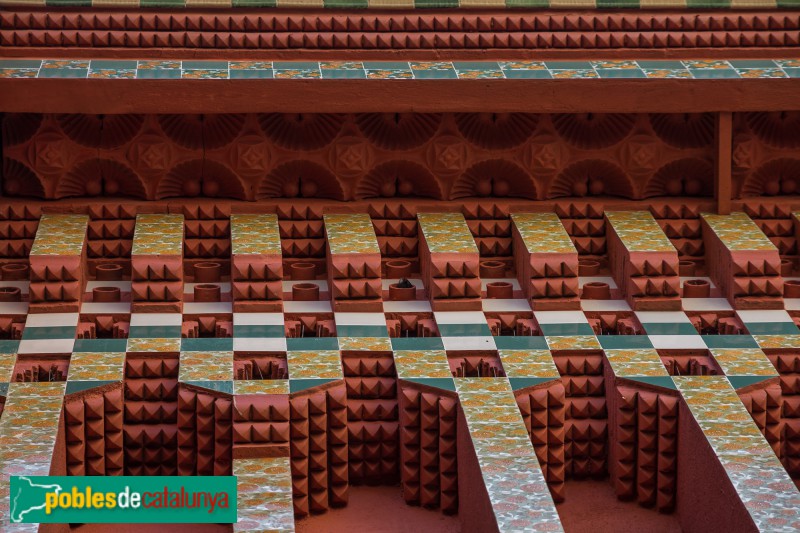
257, 332
298, 385
295, 65
208, 74
622, 342
528, 74
524, 383
158, 74
66, 63
113, 74
480, 74
251, 74
435, 74
52, 332
343, 74
362, 331
159, 64
661, 65
730, 341
750, 73
617, 4
792, 72
752, 63
207, 345
162, 3
204, 65
713, 74
390, 74
621, 73
737, 382
154, 332
98, 64
80, 386
465, 330
417, 343
772, 328
8, 346
475, 65
386, 65
21, 63
659, 381
3, 389
677, 328
521, 343
100, 345
435, 3
255, 3
312, 343
561, 330
64, 73
352, 4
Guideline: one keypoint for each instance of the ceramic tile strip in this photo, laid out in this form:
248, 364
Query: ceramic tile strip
738, 232
158, 235
422, 364
447, 233
744, 362
351, 234
7, 362
743, 451
321, 364
206, 366
60, 235
511, 473
264, 486
96, 366
636, 363
639, 231
543, 233
421, 70
28, 432
528, 364
261, 386
255, 234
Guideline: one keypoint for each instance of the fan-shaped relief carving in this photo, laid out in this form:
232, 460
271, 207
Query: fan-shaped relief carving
399, 179
684, 130
780, 129
201, 178
300, 179
119, 129
779, 176
83, 129
101, 177
495, 131
20, 127
684, 177
301, 131
202, 131
101, 131
398, 131
19, 180
496, 177
592, 177
593, 130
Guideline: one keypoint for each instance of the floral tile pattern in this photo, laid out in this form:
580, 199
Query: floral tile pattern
60, 235
261, 386
745, 454
738, 232
573, 342
206, 366
767, 342
153, 345
447, 233
158, 235
511, 473
365, 344
7, 362
28, 432
255, 234
543, 233
264, 487
528, 364
420, 70
422, 364
639, 231
636, 363
351, 234
322, 364
96, 366
744, 362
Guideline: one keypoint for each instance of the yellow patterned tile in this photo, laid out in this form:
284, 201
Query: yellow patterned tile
94, 366
351, 234
323, 364
422, 364
528, 364
365, 344
153, 345
261, 386
738, 232
255, 234
158, 235
543, 233
639, 231
743, 362
206, 366
574, 342
447, 233
636, 363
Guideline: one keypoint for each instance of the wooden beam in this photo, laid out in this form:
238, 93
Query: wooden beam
723, 161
